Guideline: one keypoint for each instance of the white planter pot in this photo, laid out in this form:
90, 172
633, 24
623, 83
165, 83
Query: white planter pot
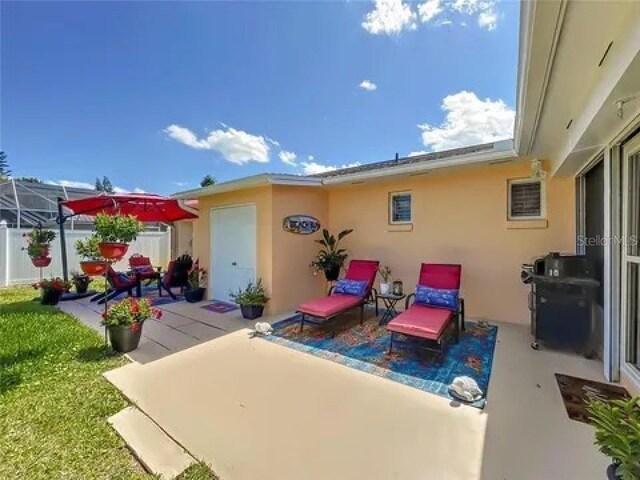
385, 288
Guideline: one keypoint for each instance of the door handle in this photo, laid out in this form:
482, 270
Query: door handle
234, 264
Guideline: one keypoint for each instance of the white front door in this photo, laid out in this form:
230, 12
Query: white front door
233, 249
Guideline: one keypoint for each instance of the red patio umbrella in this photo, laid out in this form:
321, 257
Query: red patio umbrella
144, 206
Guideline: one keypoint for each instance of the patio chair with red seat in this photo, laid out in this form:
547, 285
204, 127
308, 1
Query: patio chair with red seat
436, 310
143, 267
177, 275
354, 291
119, 283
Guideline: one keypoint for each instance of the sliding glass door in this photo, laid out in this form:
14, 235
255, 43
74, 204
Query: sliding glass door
631, 257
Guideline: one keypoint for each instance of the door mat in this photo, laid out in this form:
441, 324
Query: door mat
578, 392
218, 306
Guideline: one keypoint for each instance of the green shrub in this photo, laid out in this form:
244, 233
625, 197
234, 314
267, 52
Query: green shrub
617, 424
253, 295
117, 228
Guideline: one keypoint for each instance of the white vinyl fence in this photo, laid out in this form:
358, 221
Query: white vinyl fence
16, 266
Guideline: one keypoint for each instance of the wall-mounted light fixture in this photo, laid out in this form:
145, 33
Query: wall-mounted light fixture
620, 103
537, 172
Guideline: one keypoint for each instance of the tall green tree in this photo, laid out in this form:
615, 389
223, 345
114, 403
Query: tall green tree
99, 186
106, 185
5, 171
207, 181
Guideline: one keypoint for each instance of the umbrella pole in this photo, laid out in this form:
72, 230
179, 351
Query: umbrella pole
63, 243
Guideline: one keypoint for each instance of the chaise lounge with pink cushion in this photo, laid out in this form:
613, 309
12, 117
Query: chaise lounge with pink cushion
351, 292
437, 308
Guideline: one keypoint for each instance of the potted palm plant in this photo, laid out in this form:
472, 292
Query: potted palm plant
80, 282
115, 232
331, 258
617, 424
251, 300
38, 246
385, 286
93, 263
51, 290
124, 320
197, 279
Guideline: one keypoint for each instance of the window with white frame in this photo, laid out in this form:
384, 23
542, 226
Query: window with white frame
526, 199
400, 207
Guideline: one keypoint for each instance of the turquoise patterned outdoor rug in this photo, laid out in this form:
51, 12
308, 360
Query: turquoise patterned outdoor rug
365, 348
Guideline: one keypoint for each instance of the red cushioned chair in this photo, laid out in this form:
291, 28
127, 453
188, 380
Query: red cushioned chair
431, 323
142, 266
333, 305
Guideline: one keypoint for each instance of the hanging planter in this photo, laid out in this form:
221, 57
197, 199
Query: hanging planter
41, 262
93, 268
113, 250
114, 233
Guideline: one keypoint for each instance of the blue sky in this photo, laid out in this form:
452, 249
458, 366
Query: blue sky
157, 94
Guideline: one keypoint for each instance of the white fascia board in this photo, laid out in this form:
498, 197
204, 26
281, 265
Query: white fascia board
462, 160
248, 182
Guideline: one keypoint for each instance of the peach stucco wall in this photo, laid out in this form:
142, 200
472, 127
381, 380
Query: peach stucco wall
282, 258
292, 278
262, 198
458, 217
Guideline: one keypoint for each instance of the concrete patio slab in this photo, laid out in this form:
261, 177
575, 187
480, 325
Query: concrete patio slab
157, 452
254, 409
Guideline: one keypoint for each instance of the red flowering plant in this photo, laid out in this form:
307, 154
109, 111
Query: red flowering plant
130, 311
52, 285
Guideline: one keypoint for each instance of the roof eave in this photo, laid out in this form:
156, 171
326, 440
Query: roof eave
462, 160
248, 182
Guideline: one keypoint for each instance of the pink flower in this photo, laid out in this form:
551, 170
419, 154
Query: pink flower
135, 327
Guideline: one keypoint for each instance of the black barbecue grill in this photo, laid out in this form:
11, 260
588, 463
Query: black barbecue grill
563, 291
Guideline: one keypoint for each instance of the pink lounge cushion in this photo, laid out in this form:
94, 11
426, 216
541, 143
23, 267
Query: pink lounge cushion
328, 306
421, 321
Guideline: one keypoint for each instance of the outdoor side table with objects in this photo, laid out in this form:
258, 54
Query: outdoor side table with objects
390, 301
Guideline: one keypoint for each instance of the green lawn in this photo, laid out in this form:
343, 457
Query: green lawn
53, 400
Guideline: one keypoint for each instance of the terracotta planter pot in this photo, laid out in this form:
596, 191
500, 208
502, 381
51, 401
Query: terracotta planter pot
93, 268
251, 312
50, 297
41, 262
113, 250
125, 338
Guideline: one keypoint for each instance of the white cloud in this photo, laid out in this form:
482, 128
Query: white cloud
368, 85
91, 186
288, 157
311, 158
71, 184
236, 146
488, 20
313, 168
469, 121
417, 153
389, 17
429, 10
484, 9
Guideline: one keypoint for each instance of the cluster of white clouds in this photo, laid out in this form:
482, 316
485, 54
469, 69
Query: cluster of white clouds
468, 120
236, 146
391, 17
90, 186
240, 147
